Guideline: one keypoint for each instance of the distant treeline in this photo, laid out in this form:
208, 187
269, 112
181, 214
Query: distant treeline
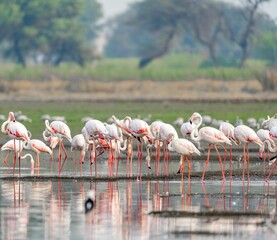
228, 34
56, 31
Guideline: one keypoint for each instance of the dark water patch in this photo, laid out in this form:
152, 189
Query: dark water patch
210, 213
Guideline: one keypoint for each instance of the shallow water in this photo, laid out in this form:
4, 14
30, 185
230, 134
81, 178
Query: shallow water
54, 209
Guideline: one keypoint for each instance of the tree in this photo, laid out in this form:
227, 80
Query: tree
265, 46
56, 30
247, 21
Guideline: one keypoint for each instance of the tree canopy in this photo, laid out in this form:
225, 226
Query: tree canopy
50, 31
220, 29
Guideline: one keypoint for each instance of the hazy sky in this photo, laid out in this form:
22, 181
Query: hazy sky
113, 7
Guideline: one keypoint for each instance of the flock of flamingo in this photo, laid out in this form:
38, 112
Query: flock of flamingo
96, 137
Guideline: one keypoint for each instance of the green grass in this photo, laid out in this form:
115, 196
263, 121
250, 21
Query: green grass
171, 67
166, 111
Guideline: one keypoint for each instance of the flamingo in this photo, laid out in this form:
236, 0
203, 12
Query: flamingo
93, 130
273, 135
9, 146
244, 134
155, 130
38, 147
210, 135
185, 148
79, 144
61, 130
228, 130
263, 134
116, 138
32, 162
53, 140
128, 143
166, 134
186, 130
138, 129
15, 130
269, 123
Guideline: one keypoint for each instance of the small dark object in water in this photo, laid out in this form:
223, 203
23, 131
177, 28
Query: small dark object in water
90, 201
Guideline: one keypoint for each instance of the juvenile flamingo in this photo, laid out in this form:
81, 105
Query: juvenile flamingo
15, 130
210, 135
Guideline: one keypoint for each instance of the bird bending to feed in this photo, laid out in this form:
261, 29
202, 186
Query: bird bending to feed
185, 148
210, 135
38, 147
90, 201
9, 146
61, 130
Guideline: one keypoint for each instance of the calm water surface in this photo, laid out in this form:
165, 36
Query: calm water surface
55, 209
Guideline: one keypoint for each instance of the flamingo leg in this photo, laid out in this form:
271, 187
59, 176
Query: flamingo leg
5, 159
189, 172
207, 162
14, 157
19, 157
244, 160
65, 156
220, 162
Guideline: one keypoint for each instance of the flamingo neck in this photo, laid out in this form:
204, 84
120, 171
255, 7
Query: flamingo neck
194, 133
271, 146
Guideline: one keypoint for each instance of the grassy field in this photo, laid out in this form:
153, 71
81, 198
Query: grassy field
171, 67
166, 111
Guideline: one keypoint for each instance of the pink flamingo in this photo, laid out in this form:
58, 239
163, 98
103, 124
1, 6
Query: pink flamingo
124, 125
94, 131
38, 147
53, 140
273, 135
115, 137
244, 134
210, 135
138, 129
15, 130
61, 130
79, 144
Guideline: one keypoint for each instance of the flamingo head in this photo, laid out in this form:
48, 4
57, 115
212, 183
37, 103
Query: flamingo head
11, 116
53, 141
261, 155
193, 117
